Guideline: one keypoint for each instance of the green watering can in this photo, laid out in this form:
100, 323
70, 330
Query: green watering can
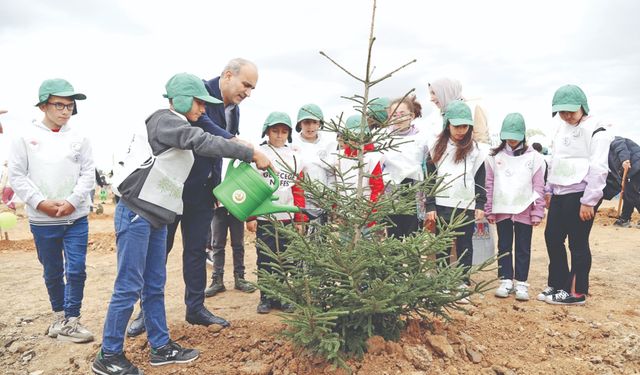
244, 193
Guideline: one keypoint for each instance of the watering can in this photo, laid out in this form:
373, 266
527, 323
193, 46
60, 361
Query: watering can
244, 193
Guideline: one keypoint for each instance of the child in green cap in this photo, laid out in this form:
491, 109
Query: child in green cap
151, 197
577, 176
457, 159
515, 203
277, 128
51, 169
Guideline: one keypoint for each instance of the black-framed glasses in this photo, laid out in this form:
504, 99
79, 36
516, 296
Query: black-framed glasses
60, 106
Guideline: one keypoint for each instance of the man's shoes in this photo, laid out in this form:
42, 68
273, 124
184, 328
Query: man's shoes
56, 325
264, 307
116, 364
546, 292
172, 353
217, 285
622, 223
209, 256
74, 331
241, 284
205, 318
287, 308
564, 298
137, 327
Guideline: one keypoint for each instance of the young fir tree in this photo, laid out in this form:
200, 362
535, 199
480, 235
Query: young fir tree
345, 278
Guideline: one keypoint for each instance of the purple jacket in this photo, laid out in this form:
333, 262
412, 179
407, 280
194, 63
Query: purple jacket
532, 214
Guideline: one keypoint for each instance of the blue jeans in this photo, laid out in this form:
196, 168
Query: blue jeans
522, 249
62, 251
141, 273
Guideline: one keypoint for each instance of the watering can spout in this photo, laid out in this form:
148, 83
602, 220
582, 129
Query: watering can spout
268, 207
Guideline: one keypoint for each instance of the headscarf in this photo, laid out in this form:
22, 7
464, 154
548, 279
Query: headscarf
446, 90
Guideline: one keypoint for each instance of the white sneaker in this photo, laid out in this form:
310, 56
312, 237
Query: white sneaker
522, 291
74, 331
465, 300
56, 325
505, 288
547, 291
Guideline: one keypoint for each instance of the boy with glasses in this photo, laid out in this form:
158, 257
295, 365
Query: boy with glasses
51, 168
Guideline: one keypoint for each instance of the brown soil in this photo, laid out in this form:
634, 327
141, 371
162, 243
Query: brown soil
495, 336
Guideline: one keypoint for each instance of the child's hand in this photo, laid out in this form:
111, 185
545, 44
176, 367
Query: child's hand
261, 160
626, 164
49, 207
252, 226
65, 208
586, 212
300, 228
479, 215
547, 200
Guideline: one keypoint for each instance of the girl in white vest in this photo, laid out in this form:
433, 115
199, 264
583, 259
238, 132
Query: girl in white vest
277, 128
403, 166
577, 176
515, 202
456, 158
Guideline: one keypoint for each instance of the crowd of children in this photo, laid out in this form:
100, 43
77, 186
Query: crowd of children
510, 184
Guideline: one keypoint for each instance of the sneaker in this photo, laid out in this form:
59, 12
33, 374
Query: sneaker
287, 308
172, 353
522, 291
116, 364
546, 292
505, 288
74, 331
564, 298
622, 223
264, 307
209, 257
56, 325
464, 300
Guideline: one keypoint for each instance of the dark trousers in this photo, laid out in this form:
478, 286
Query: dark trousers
563, 221
506, 231
265, 233
463, 242
195, 222
402, 225
631, 197
222, 223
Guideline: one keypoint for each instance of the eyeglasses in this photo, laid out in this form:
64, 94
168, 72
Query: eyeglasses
61, 106
401, 114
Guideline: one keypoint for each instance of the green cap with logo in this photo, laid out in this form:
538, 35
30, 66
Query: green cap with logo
354, 124
513, 127
377, 109
569, 98
183, 87
276, 118
457, 113
309, 112
58, 87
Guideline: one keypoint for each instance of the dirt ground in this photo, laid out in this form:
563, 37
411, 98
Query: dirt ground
495, 336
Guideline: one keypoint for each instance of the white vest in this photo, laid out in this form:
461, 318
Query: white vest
278, 157
407, 161
315, 154
165, 182
348, 169
458, 177
513, 181
571, 151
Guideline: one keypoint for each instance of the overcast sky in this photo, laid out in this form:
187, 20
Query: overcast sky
511, 54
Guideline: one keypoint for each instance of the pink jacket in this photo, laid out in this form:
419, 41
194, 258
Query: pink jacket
532, 214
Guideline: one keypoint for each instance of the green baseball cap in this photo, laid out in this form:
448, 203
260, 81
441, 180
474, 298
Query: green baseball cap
457, 113
276, 118
569, 98
377, 109
188, 85
513, 127
309, 112
354, 124
58, 87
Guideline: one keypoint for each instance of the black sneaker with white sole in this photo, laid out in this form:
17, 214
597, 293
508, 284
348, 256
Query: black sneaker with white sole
172, 353
564, 298
116, 364
546, 292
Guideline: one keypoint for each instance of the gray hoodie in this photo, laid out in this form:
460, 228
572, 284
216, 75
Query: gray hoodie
165, 130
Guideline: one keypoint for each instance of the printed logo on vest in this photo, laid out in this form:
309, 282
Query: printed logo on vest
239, 196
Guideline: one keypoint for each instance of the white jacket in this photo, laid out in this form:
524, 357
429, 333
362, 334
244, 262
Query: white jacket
52, 165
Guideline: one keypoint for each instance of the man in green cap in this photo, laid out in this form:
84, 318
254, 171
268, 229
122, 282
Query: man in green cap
151, 197
51, 169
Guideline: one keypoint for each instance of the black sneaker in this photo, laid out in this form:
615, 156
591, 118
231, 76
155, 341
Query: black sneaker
622, 223
564, 298
116, 364
172, 353
546, 292
264, 307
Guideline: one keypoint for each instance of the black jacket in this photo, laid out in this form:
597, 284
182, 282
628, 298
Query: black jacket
621, 149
